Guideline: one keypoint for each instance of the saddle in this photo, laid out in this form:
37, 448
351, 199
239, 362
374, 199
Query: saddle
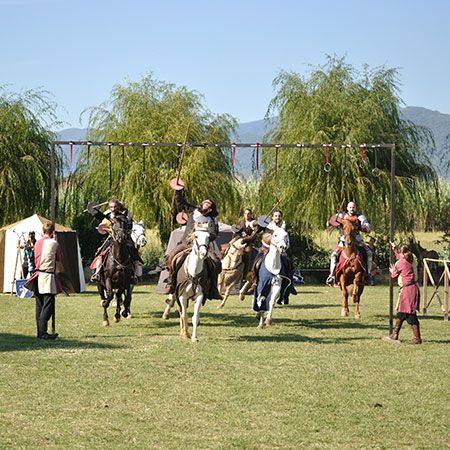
257, 264
343, 262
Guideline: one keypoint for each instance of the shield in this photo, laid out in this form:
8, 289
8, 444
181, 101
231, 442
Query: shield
334, 221
91, 208
263, 221
103, 228
176, 184
181, 218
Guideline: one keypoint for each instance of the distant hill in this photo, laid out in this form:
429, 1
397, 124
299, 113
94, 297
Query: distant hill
251, 132
439, 124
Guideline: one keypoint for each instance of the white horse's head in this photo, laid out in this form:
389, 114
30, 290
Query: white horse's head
201, 243
280, 239
138, 234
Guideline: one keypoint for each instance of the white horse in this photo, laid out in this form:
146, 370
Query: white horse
232, 268
188, 283
138, 234
268, 290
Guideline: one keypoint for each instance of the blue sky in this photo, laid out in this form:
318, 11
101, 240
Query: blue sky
229, 51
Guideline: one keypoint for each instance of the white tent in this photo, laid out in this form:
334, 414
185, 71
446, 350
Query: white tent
14, 235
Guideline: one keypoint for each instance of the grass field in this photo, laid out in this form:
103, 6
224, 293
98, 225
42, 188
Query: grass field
312, 380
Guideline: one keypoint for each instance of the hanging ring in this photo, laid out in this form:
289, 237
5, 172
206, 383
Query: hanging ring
376, 172
327, 167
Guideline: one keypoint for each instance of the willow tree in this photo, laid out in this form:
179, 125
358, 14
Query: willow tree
154, 111
25, 153
337, 104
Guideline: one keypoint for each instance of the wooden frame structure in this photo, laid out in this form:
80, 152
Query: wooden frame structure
256, 146
427, 275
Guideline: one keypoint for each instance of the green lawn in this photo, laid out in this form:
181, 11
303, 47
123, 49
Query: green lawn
312, 380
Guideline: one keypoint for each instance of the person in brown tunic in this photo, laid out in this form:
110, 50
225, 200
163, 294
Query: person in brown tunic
408, 303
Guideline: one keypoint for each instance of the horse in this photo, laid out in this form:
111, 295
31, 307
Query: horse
118, 272
268, 289
138, 235
233, 267
192, 283
350, 270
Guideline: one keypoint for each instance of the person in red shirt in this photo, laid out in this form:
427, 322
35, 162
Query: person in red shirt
408, 303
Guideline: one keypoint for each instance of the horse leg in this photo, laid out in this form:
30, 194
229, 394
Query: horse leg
274, 296
260, 318
184, 333
225, 297
170, 303
117, 305
344, 309
127, 303
105, 303
220, 281
243, 291
196, 316
357, 291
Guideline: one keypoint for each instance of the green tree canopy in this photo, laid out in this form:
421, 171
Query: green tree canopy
337, 104
154, 111
25, 153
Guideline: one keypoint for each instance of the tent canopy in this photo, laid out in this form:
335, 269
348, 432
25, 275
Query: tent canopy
13, 236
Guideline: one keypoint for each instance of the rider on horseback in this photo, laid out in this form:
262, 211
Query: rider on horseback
288, 267
246, 229
365, 226
116, 209
205, 217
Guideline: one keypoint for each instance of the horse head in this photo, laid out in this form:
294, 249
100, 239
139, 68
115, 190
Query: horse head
200, 243
138, 234
280, 240
350, 230
119, 229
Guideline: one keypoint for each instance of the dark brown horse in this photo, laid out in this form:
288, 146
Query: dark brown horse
351, 273
118, 272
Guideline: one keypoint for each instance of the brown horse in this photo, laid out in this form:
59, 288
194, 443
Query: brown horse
350, 270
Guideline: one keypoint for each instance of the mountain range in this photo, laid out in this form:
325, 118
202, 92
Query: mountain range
251, 132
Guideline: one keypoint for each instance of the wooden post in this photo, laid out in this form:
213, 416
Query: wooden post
425, 284
391, 239
446, 279
52, 184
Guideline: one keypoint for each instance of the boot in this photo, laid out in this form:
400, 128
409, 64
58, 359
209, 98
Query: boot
416, 334
331, 280
393, 338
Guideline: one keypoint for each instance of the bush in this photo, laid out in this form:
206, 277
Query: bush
306, 254
151, 257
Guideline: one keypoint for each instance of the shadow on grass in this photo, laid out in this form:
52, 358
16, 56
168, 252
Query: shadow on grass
222, 319
289, 337
419, 316
10, 342
313, 306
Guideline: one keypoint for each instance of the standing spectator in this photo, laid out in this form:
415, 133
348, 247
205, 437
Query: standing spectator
46, 252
